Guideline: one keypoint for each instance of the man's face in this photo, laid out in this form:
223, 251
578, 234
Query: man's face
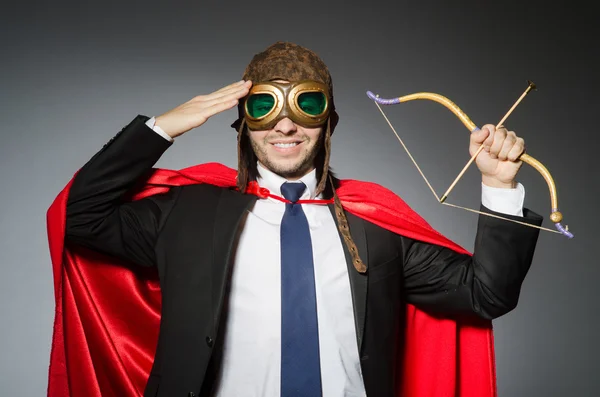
287, 149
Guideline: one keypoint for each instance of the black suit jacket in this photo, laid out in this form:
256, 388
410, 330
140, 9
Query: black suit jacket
190, 232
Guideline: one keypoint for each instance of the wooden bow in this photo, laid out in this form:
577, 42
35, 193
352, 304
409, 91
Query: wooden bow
555, 215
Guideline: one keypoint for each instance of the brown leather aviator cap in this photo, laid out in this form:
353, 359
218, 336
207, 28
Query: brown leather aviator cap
291, 62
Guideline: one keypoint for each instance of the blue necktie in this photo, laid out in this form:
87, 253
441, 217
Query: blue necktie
300, 365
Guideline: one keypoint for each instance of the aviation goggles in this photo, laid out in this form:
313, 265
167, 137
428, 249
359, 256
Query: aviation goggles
305, 102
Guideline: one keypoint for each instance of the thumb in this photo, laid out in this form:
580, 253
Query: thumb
478, 136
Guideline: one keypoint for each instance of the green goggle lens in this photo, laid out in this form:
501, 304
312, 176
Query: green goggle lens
260, 104
312, 103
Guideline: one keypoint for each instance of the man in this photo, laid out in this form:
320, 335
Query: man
270, 287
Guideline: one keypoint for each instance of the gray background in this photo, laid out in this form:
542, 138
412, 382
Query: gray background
73, 74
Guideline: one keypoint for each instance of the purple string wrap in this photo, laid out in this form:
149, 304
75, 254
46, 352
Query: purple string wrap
560, 227
383, 101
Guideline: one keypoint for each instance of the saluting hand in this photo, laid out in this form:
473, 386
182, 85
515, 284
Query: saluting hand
498, 161
197, 110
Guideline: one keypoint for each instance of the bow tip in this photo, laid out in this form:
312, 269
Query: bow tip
564, 230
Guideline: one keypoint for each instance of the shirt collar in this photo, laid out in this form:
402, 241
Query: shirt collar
270, 180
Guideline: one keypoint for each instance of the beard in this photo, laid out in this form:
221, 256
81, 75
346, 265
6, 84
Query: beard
288, 168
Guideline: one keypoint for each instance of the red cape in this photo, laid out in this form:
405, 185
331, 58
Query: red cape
107, 314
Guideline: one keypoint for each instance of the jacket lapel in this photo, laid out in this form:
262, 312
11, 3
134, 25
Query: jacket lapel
230, 214
358, 281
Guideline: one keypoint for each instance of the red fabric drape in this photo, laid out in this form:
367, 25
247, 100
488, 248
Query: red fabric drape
107, 314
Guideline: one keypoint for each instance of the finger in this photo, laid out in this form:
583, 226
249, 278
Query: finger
225, 98
239, 92
507, 145
517, 150
219, 92
218, 107
241, 89
236, 84
233, 87
235, 96
490, 137
498, 141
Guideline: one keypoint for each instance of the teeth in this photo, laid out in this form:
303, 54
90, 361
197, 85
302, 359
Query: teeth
284, 145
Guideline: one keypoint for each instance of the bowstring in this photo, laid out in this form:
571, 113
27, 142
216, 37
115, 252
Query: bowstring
435, 194
408, 152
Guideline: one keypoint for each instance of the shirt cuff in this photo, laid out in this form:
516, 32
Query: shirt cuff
151, 123
505, 201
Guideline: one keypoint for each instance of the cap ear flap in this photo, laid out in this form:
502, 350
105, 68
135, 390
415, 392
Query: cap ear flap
327, 148
242, 175
240, 108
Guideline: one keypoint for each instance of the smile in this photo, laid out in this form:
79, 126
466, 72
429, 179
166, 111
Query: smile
286, 145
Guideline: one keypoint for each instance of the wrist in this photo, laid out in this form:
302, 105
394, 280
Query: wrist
494, 182
157, 129
163, 126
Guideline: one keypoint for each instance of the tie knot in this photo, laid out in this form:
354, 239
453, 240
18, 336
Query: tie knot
293, 190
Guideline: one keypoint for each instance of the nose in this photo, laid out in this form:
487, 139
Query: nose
285, 126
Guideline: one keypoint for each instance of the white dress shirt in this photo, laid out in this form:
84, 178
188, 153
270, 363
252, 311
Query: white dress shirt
251, 347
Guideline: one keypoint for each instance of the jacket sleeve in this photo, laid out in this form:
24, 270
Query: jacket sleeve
487, 284
98, 216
